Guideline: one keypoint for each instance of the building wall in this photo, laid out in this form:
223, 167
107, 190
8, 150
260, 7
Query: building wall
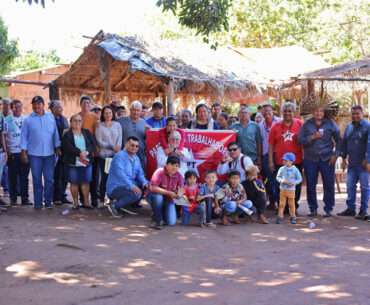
25, 92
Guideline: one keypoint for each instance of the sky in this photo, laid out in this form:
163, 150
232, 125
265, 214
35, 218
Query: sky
61, 24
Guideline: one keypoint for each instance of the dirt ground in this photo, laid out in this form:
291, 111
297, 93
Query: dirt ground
90, 258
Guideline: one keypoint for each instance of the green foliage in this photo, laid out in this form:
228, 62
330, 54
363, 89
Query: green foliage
339, 27
8, 50
31, 60
204, 16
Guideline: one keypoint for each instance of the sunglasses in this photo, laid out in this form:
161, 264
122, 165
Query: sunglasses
232, 149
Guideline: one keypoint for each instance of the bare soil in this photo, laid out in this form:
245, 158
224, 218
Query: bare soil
90, 258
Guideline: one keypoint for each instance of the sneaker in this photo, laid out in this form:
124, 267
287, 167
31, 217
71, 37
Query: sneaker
13, 202
293, 220
138, 205
57, 202
347, 212
2, 202
279, 220
312, 213
158, 225
327, 213
361, 215
115, 212
128, 210
94, 204
210, 225
48, 206
26, 202
101, 205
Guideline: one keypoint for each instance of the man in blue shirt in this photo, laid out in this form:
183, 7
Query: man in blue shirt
39, 144
126, 178
248, 136
356, 145
158, 120
318, 135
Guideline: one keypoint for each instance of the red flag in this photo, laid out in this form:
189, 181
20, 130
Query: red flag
205, 146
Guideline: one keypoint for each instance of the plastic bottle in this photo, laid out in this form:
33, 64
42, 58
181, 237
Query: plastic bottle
65, 212
312, 225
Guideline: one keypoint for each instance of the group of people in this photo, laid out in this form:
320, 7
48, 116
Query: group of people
101, 153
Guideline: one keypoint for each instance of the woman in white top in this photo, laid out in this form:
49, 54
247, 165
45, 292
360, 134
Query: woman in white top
174, 140
108, 135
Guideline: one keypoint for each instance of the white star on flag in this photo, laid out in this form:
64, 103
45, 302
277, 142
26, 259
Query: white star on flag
193, 163
288, 136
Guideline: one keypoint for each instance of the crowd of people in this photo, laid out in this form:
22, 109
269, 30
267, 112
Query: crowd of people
101, 153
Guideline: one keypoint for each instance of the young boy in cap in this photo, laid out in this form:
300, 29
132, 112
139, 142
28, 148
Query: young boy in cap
288, 176
158, 120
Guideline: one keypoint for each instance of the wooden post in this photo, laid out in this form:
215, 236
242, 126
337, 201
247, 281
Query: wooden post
279, 100
53, 91
170, 97
105, 62
108, 83
310, 87
164, 103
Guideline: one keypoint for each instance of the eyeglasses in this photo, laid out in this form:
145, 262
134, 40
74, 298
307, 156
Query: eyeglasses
136, 146
77, 121
232, 149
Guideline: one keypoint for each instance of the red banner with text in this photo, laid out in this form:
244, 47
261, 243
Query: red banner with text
206, 148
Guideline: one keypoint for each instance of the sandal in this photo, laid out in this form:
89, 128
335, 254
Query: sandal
75, 207
225, 222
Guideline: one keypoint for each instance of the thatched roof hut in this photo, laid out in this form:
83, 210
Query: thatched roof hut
131, 68
352, 77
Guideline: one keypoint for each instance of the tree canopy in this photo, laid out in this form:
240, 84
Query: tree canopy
8, 50
31, 60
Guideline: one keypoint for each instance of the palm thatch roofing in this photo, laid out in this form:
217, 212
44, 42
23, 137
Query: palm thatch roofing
352, 75
141, 69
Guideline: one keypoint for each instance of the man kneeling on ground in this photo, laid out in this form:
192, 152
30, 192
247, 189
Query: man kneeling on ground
166, 184
126, 178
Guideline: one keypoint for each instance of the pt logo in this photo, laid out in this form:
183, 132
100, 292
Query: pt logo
193, 164
288, 136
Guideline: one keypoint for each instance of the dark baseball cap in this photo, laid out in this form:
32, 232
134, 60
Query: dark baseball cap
157, 105
37, 98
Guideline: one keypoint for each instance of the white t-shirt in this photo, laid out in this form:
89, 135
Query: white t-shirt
12, 131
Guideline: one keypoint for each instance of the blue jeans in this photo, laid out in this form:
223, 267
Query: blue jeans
123, 197
60, 183
232, 207
17, 170
355, 174
4, 178
271, 181
163, 209
199, 210
42, 166
327, 172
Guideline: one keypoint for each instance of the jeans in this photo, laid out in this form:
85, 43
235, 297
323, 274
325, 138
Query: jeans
163, 209
123, 197
42, 166
4, 177
60, 183
18, 171
298, 187
271, 181
355, 174
327, 172
199, 210
284, 195
210, 211
232, 207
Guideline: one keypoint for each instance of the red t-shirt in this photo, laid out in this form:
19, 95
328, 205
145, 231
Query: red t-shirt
285, 139
194, 203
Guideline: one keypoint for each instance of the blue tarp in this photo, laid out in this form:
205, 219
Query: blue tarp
122, 52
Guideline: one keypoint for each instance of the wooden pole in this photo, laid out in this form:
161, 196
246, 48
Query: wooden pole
108, 83
25, 82
170, 97
310, 87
